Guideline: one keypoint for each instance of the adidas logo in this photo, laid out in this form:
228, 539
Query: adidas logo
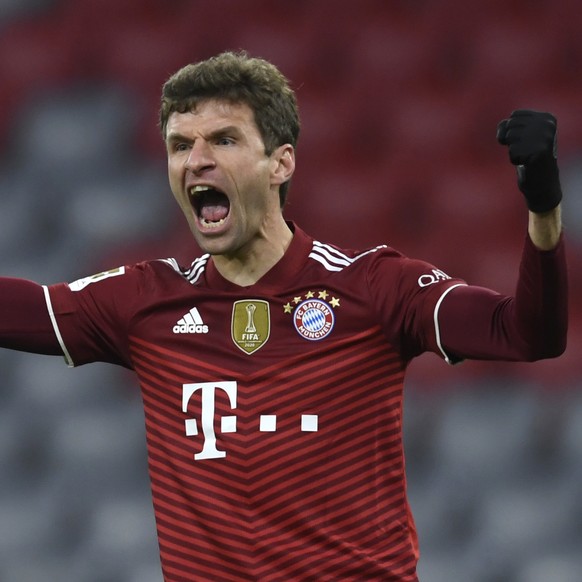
190, 323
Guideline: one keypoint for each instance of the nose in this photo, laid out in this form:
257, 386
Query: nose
200, 157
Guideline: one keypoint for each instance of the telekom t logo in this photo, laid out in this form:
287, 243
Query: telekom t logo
207, 390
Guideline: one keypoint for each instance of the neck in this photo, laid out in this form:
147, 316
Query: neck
249, 264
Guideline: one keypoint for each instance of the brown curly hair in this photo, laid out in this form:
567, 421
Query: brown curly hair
236, 77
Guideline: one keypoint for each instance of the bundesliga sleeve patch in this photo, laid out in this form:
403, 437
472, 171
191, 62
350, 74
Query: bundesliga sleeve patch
313, 317
80, 284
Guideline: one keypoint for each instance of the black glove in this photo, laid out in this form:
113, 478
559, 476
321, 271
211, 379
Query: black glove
532, 140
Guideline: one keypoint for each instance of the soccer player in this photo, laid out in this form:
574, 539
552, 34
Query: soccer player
272, 367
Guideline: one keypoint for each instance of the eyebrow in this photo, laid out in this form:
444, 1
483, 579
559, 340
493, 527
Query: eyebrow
175, 136
217, 133
228, 130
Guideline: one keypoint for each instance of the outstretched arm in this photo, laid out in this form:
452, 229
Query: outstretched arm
25, 322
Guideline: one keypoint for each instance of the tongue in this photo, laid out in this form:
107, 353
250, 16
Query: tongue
213, 212
214, 206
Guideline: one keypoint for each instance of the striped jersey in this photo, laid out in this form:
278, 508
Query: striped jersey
273, 412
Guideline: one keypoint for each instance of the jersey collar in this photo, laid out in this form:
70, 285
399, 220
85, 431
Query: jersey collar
284, 271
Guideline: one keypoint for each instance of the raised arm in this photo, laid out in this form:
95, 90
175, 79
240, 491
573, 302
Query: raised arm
481, 324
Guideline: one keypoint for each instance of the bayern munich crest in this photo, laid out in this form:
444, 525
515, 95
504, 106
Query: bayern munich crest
313, 317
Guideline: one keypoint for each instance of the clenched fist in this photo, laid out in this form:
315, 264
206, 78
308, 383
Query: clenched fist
531, 137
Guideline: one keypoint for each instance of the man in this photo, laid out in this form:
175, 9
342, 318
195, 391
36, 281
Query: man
272, 367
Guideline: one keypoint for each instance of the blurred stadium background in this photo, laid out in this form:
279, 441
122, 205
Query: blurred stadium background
400, 101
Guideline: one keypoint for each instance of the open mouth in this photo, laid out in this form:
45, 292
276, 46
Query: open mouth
210, 205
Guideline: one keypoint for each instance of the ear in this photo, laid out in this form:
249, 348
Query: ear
283, 164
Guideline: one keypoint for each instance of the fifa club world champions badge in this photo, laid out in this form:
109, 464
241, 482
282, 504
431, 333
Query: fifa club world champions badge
251, 324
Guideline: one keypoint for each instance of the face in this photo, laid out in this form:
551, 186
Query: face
225, 184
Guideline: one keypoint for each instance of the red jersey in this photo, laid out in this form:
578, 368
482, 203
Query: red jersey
274, 411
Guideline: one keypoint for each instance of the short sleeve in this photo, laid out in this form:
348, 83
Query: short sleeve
407, 293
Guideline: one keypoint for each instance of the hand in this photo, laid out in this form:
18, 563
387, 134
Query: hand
532, 140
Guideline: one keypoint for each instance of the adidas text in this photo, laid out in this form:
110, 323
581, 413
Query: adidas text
192, 328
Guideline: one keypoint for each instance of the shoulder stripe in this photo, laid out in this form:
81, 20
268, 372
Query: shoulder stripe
330, 251
193, 272
335, 260
172, 263
322, 260
197, 268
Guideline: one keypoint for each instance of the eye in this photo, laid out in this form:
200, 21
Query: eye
225, 141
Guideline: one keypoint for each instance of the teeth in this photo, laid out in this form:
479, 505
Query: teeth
209, 224
197, 189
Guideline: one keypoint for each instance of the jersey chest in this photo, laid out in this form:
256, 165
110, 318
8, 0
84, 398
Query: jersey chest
250, 331
237, 372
